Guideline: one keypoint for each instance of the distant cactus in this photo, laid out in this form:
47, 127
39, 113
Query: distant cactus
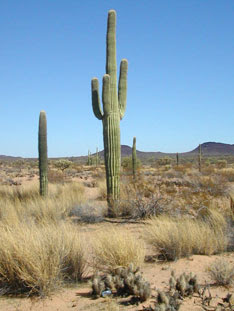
89, 160
42, 150
199, 158
134, 158
177, 158
114, 104
97, 157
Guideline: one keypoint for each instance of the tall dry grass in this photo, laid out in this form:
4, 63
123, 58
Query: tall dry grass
17, 204
39, 247
113, 247
174, 238
37, 258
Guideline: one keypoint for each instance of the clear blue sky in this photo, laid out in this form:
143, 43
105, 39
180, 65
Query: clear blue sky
180, 79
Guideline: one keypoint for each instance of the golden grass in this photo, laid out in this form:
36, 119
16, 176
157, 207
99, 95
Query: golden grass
38, 258
17, 204
114, 247
174, 238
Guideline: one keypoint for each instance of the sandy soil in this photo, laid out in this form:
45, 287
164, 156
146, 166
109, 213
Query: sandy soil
77, 297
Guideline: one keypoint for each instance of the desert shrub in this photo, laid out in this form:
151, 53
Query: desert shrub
127, 163
164, 161
227, 174
180, 168
140, 198
213, 185
89, 212
56, 177
173, 238
62, 164
114, 247
222, 272
38, 258
221, 164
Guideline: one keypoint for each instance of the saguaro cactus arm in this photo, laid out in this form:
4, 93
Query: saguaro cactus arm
122, 90
111, 67
96, 99
106, 94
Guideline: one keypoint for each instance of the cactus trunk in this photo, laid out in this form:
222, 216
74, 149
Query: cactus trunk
114, 104
199, 158
42, 149
134, 160
177, 158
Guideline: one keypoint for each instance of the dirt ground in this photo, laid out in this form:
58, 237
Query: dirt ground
78, 297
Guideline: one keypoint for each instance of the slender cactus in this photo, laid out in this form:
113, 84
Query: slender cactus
89, 158
42, 149
199, 157
134, 158
177, 158
97, 157
114, 105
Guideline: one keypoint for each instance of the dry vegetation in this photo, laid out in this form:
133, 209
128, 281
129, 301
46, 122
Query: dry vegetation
168, 212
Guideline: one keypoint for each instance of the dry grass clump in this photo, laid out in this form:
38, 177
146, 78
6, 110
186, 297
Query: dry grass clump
102, 192
38, 258
26, 203
173, 238
222, 272
114, 247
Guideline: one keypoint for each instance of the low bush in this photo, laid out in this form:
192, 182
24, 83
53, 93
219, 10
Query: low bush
222, 272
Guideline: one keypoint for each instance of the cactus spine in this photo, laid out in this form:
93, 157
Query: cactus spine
199, 157
42, 149
134, 159
114, 105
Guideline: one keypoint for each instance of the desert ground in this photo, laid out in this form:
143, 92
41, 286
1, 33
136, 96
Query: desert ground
170, 219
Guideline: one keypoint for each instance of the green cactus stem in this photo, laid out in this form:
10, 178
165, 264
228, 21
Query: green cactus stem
42, 149
177, 158
89, 158
97, 157
114, 105
134, 158
199, 158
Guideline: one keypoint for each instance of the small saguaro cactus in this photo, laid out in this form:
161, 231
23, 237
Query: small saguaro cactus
177, 158
134, 158
42, 149
97, 157
114, 105
89, 161
199, 157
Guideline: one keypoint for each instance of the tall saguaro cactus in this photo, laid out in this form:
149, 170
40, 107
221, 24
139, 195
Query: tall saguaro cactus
114, 105
134, 159
42, 149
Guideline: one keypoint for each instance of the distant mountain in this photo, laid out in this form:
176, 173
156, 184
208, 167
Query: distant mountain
208, 149
9, 158
211, 148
